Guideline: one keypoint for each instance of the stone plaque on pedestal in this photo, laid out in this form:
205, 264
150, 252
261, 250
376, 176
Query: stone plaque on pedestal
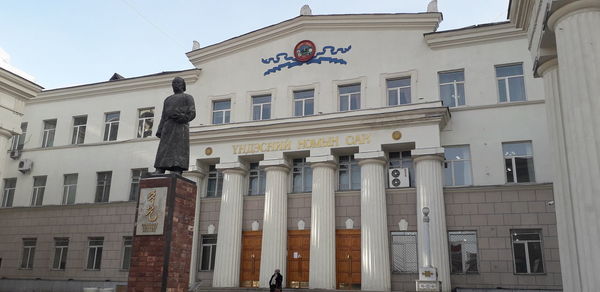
162, 241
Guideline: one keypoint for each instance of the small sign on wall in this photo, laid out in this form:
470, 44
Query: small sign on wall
151, 211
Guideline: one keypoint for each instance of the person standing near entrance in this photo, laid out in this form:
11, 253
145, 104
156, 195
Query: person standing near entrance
275, 282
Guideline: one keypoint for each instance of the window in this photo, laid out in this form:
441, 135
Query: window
145, 122
452, 88
404, 252
136, 175
518, 160
10, 185
111, 126
527, 251
301, 176
304, 103
261, 107
349, 97
511, 83
94, 258
221, 112
49, 131
209, 250
457, 166
398, 91
79, 125
215, 182
348, 173
402, 160
127, 249
69, 189
39, 186
28, 253
463, 252
19, 140
61, 246
257, 180
103, 186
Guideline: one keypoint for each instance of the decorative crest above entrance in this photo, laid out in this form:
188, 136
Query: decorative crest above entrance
305, 52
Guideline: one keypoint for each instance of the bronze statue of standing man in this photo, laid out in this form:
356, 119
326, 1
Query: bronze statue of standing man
174, 149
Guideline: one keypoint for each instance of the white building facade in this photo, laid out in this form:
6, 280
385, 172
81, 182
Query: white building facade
317, 163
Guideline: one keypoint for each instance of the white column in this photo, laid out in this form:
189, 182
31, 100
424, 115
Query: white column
198, 178
569, 261
578, 48
430, 193
274, 240
229, 232
374, 235
322, 223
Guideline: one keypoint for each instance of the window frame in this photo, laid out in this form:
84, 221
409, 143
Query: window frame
18, 141
303, 101
108, 127
213, 251
226, 112
454, 83
513, 163
30, 249
105, 186
134, 186
68, 187
258, 173
506, 84
463, 252
127, 244
397, 90
8, 192
96, 247
349, 96
64, 249
37, 195
217, 176
141, 122
352, 166
452, 161
304, 167
541, 241
414, 234
47, 133
78, 129
261, 105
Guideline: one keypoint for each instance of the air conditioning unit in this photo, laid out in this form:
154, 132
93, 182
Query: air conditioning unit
398, 178
25, 165
15, 154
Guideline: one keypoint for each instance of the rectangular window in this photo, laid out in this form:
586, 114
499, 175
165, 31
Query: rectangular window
402, 160
111, 126
19, 140
94, 258
463, 252
61, 247
221, 112
215, 182
28, 253
348, 173
49, 131
457, 166
8, 194
301, 176
145, 122
257, 180
127, 249
304, 103
349, 97
452, 88
527, 251
261, 107
404, 252
69, 188
398, 91
103, 186
79, 125
209, 250
39, 186
136, 175
518, 160
511, 83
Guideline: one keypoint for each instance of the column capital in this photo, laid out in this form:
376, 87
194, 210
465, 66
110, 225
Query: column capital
570, 9
431, 153
546, 66
325, 161
275, 164
371, 157
195, 173
232, 167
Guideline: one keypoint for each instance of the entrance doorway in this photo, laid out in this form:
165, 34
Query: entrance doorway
298, 258
250, 262
347, 256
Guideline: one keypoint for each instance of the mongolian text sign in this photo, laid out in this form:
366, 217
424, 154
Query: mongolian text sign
318, 142
151, 211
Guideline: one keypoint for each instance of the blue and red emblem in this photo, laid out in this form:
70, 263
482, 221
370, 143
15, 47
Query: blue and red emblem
305, 50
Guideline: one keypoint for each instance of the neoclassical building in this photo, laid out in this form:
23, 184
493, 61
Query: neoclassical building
317, 143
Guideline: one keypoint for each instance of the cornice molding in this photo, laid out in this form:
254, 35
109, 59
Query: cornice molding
474, 35
426, 21
416, 114
520, 13
17, 86
117, 86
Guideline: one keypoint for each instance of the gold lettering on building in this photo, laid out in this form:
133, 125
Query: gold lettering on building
285, 145
331, 141
151, 213
358, 139
262, 147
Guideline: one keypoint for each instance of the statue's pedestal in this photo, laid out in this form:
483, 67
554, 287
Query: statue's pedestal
162, 240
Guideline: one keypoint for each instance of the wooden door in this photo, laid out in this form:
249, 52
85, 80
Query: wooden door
347, 255
250, 262
298, 258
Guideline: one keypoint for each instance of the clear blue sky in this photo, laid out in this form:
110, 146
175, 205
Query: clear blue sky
65, 43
